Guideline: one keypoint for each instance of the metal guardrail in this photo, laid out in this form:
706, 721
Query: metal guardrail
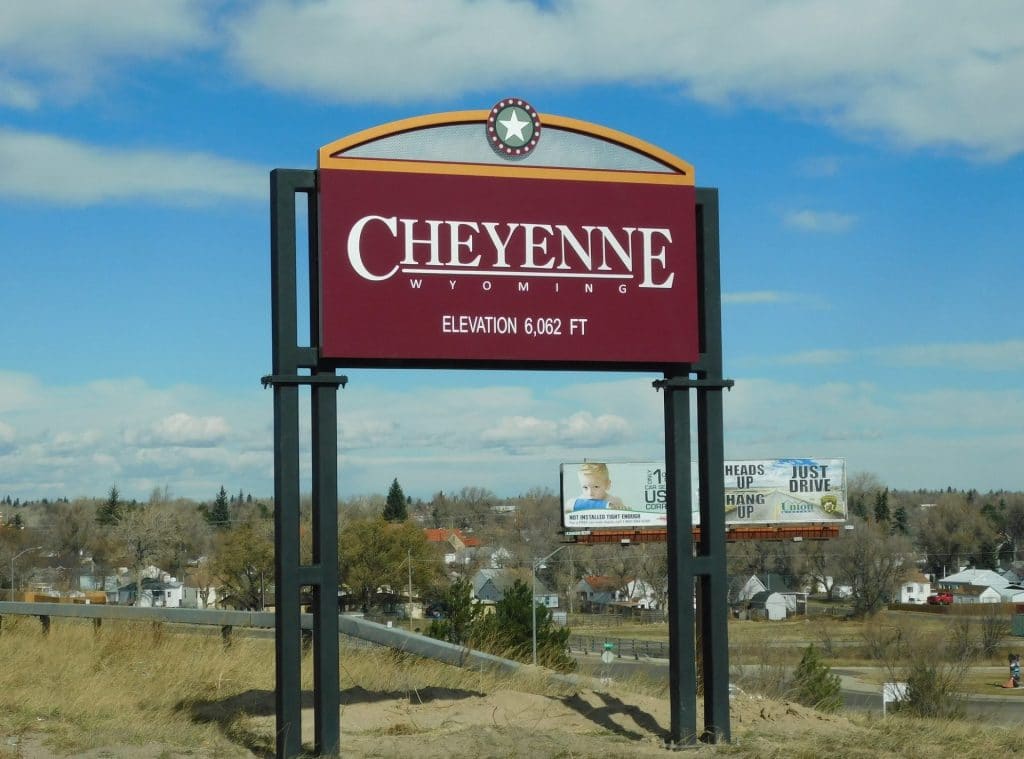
214, 617
355, 627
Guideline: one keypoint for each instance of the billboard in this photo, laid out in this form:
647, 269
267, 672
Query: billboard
598, 495
441, 262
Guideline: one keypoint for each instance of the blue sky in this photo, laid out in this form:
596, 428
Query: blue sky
870, 169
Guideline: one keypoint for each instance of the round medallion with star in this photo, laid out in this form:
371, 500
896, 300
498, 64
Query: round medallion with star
513, 128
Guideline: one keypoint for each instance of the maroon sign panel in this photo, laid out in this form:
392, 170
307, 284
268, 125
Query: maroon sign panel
449, 267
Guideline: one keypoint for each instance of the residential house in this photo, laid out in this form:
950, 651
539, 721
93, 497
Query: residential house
965, 580
596, 593
457, 546
1012, 593
155, 592
544, 596
795, 600
640, 594
976, 594
489, 585
915, 589
821, 588
1014, 574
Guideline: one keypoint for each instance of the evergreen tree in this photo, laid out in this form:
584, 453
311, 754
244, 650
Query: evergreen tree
900, 523
461, 614
219, 515
395, 508
882, 506
111, 512
814, 683
509, 631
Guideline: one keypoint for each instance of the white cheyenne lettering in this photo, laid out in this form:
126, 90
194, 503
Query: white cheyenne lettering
517, 249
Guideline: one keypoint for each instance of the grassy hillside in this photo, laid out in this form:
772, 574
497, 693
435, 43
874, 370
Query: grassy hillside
137, 690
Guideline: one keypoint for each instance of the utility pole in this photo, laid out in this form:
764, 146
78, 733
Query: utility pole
409, 559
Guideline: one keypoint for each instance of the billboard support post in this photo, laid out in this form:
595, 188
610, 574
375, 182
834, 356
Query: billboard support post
697, 580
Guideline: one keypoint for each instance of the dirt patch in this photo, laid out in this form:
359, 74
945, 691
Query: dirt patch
507, 723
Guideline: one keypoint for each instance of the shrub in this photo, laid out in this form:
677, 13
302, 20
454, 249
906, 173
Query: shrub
815, 685
933, 691
995, 625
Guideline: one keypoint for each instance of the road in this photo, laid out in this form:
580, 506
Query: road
858, 696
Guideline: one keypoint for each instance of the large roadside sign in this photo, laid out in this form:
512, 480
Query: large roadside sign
626, 495
445, 261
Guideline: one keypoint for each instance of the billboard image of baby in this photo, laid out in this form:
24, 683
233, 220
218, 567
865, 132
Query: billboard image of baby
588, 501
595, 485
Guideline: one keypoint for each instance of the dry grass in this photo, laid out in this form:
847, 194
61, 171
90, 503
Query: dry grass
143, 691
137, 683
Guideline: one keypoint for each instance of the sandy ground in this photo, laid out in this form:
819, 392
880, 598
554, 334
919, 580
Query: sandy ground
431, 725
435, 723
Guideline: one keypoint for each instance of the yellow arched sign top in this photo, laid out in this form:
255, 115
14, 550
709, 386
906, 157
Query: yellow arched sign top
337, 155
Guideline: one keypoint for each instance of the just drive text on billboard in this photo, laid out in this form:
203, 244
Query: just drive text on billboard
450, 267
613, 495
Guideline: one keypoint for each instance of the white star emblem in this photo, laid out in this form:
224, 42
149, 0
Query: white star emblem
513, 126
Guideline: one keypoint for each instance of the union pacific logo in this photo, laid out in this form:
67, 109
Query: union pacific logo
513, 128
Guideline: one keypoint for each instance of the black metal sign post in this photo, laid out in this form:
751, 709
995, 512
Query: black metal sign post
708, 567
290, 361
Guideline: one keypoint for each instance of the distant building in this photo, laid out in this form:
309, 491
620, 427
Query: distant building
795, 600
915, 589
767, 604
961, 581
167, 593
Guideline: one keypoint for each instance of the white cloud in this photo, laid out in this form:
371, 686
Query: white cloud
819, 221
63, 48
365, 431
70, 440
181, 429
585, 429
582, 429
521, 430
948, 78
80, 440
41, 166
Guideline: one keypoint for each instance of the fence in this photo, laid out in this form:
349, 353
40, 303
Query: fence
959, 609
621, 647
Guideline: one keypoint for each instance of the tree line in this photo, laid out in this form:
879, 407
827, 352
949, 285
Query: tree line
227, 542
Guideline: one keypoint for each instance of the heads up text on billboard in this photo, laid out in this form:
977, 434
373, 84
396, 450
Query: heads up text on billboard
480, 258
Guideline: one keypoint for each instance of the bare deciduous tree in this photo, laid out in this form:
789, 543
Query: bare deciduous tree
874, 563
142, 537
